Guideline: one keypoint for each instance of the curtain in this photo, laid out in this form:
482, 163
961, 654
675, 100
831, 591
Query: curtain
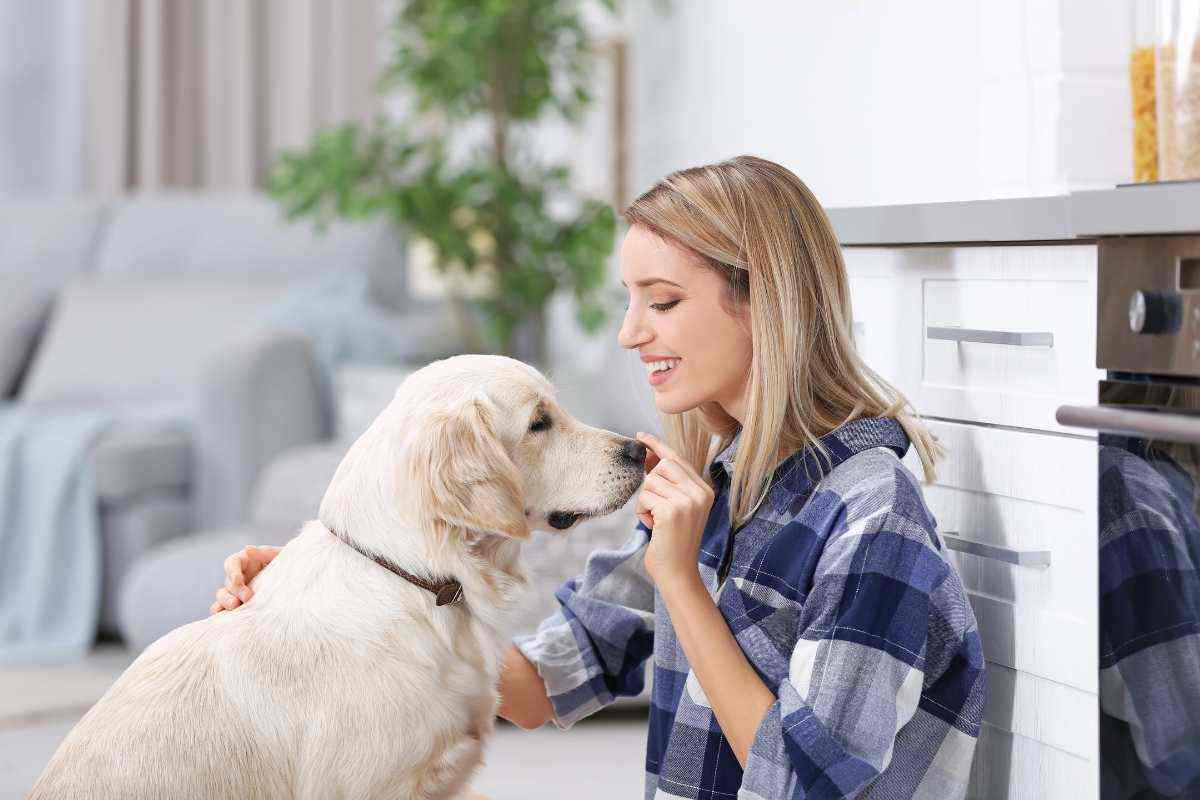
204, 93
41, 97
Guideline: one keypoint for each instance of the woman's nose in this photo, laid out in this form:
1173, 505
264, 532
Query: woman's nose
631, 334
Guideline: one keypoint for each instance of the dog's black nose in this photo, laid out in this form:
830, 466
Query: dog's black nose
634, 452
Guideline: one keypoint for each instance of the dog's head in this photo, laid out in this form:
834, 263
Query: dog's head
481, 445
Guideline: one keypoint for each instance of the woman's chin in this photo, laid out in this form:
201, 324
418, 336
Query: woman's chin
668, 403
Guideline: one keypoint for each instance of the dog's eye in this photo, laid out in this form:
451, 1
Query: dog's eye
542, 423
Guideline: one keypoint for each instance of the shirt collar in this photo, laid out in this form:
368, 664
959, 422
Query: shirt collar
841, 443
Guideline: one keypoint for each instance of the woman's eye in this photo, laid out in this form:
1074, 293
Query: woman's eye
660, 306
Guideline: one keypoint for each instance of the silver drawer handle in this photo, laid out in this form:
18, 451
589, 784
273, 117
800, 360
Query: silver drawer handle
1022, 558
991, 337
1145, 424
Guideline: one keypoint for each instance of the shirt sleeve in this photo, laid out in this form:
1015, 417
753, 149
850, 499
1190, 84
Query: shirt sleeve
594, 648
857, 671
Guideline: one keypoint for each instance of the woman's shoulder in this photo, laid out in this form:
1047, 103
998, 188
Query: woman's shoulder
868, 471
872, 489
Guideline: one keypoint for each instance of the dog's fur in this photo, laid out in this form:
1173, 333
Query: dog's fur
339, 678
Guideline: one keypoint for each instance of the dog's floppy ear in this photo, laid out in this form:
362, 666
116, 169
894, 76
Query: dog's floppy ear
462, 476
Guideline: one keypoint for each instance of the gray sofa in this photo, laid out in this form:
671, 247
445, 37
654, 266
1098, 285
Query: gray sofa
208, 305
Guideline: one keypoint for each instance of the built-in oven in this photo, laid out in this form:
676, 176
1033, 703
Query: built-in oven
1147, 419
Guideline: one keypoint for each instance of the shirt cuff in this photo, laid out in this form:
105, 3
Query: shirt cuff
768, 772
574, 686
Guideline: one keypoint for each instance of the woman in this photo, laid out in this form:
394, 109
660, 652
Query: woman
844, 656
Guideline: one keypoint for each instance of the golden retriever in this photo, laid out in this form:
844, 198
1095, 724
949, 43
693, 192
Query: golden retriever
340, 678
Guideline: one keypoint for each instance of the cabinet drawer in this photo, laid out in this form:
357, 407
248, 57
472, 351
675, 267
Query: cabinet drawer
1038, 739
1044, 711
1021, 493
1008, 766
985, 334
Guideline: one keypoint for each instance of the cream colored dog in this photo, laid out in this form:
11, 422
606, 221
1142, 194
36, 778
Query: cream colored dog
340, 678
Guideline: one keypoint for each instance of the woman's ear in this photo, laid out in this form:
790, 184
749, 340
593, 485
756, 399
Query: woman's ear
462, 475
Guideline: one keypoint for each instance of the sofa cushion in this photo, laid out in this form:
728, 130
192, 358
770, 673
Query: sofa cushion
288, 491
136, 339
135, 459
48, 241
22, 315
242, 235
174, 583
130, 530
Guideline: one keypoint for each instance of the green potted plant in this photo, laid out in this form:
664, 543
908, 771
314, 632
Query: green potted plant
497, 209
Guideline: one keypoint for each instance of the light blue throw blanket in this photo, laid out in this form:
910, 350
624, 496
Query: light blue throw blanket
49, 532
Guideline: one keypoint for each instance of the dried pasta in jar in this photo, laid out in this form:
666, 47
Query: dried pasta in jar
1145, 130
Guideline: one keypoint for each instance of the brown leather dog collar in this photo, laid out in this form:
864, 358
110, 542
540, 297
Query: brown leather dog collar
448, 592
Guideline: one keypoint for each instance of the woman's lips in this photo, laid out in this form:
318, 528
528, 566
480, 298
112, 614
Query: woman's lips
658, 378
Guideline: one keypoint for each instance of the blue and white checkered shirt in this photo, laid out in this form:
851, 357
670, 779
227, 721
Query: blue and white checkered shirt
840, 595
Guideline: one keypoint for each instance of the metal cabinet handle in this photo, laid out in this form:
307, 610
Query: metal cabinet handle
1043, 339
1022, 558
1143, 424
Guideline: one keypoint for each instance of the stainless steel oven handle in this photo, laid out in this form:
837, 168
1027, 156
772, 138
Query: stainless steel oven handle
1035, 339
1144, 424
1022, 558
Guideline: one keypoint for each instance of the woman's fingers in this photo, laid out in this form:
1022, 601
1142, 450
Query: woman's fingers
664, 453
643, 509
259, 556
652, 459
670, 472
241, 567
670, 477
227, 600
234, 576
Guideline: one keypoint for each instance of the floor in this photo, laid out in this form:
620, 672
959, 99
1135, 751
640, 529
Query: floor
601, 757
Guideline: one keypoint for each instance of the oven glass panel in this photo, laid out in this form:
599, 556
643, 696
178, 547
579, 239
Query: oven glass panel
1149, 600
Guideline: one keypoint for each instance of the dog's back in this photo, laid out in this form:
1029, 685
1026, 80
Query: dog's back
150, 734
272, 701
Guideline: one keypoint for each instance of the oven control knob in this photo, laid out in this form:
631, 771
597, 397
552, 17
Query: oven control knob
1155, 312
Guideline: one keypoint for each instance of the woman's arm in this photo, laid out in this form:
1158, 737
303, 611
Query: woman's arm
594, 648
523, 698
738, 696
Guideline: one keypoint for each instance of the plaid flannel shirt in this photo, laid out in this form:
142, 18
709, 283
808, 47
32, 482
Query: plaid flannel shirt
840, 596
1149, 623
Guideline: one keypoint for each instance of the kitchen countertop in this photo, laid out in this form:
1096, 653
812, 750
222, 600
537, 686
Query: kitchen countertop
1171, 207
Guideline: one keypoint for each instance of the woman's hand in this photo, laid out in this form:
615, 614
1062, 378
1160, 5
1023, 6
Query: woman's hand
674, 503
240, 569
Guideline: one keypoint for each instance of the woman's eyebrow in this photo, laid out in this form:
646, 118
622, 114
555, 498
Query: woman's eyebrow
649, 281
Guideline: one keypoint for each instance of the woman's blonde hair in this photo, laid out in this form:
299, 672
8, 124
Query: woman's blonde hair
754, 223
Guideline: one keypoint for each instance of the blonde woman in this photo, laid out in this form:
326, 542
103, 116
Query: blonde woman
809, 637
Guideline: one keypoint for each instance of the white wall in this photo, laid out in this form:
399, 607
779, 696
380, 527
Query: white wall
888, 101
869, 102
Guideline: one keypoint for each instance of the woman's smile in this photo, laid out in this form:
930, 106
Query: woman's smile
659, 376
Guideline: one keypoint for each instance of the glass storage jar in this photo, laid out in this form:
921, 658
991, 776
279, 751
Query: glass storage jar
1177, 89
1141, 90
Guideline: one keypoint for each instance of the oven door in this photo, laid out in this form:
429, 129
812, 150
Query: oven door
1149, 588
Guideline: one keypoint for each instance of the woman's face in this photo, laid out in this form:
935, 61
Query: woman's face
675, 315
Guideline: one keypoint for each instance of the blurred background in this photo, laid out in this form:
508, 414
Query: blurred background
229, 229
